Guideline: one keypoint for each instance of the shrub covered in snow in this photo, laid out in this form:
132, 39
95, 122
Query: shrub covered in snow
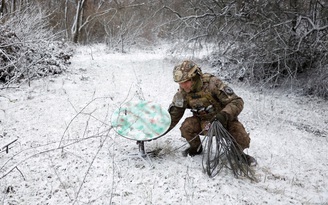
29, 49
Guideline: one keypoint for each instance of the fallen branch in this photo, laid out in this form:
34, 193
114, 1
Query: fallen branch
6, 147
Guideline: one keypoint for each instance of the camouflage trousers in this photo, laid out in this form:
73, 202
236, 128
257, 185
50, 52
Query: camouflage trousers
193, 126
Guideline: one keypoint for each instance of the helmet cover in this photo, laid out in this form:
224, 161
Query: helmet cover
185, 71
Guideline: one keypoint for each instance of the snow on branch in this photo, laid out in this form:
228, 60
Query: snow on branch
29, 49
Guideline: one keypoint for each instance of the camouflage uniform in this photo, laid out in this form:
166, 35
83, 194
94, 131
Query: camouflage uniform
208, 97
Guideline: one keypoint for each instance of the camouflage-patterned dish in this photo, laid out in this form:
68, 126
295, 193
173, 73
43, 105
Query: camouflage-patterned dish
141, 120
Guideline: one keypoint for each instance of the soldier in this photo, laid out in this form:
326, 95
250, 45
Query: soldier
209, 99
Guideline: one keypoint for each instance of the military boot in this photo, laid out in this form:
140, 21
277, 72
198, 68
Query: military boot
192, 151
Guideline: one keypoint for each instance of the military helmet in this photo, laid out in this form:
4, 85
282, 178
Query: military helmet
185, 71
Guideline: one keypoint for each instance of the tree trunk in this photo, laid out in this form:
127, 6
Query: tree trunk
13, 5
293, 6
66, 19
77, 21
3, 9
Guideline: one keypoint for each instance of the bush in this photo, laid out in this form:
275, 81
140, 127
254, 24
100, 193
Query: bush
318, 84
29, 49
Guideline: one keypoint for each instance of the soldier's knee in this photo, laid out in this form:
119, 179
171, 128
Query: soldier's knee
190, 126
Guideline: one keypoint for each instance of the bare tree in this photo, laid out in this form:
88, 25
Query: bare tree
272, 40
77, 21
3, 8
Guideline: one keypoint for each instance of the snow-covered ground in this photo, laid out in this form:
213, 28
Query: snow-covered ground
67, 153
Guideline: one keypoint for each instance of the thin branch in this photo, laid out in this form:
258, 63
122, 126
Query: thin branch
89, 168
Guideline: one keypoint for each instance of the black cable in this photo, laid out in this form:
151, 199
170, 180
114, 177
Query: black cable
221, 150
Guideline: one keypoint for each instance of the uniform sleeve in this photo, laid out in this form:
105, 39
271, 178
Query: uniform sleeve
176, 114
231, 104
176, 109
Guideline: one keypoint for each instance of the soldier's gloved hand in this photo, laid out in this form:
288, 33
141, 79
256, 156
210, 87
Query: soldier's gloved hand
221, 118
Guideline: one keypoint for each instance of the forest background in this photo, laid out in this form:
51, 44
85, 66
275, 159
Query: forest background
65, 65
268, 43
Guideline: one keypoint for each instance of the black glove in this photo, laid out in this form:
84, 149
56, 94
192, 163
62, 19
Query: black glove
221, 118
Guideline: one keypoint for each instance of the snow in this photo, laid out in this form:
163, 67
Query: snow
67, 153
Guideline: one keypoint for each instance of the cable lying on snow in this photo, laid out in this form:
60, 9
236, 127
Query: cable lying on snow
221, 150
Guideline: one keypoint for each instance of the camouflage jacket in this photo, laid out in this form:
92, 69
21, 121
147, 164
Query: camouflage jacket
212, 97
